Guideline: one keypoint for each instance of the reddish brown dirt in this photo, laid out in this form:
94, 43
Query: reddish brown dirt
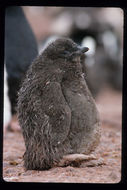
107, 169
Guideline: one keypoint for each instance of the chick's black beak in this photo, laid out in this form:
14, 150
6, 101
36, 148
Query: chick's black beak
79, 52
84, 49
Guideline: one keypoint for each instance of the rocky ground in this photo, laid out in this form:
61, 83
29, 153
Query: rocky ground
105, 169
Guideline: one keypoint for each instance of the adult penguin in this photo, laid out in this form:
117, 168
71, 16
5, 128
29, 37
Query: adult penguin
20, 50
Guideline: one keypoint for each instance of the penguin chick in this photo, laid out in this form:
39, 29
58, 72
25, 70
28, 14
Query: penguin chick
56, 111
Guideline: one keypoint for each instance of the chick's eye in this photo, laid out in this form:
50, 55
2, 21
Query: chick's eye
65, 52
